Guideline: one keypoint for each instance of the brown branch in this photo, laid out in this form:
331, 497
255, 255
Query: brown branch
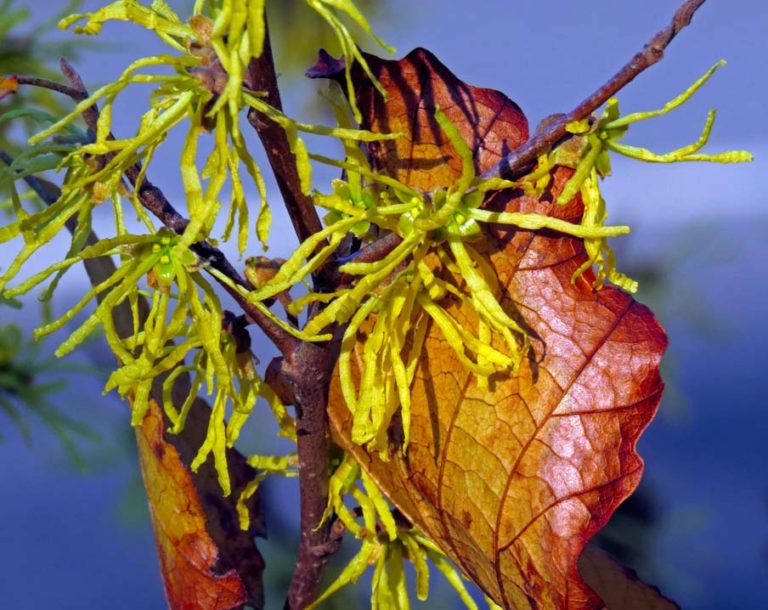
374, 251
305, 373
44, 83
519, 162
300, 207
90, 114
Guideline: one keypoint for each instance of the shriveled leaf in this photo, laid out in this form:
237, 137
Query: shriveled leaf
416, 85
618, 586
8, 85
207, 560
195, 572
511, 479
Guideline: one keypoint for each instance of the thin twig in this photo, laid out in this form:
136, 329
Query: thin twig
301, 208
518, 162
375, 251
90, 114
44, 83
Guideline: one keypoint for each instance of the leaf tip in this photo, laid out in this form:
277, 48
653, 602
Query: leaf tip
8, 85
326, 66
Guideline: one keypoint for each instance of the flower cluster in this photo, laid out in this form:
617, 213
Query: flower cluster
203, 81
387, 542
392, 299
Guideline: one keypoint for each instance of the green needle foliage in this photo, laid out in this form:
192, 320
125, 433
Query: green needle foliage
26, 391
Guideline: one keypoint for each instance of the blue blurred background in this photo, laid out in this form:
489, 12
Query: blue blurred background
79, 538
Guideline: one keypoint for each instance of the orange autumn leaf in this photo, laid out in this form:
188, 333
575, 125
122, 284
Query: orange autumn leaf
488, 120
8, 85
206, 559
511, 481
191, 560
